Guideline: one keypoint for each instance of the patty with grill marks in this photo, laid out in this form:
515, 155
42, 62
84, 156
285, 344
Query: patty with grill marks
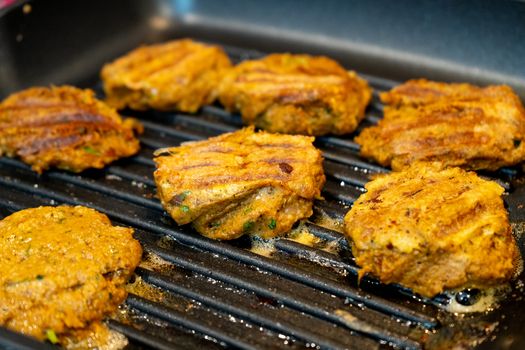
177, 75
457, 124
63, 269
296, 94
239, 183
64, 127
432, 229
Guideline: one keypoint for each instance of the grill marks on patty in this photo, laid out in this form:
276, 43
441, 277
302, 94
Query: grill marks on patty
432, 229
456, 124
177, 75
295, 94
64, 127
205, 183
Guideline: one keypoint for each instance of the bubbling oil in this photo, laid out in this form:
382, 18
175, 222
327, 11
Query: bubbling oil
488, 300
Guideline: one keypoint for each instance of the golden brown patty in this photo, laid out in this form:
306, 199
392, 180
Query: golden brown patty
63, 268
457, 124
430, 230
64, 127
296, 94
177, 75
240, 183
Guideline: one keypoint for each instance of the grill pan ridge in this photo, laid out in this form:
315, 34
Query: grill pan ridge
295, 303
220, 294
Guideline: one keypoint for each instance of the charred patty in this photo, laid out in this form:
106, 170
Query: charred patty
63, 269
457, 124
240, 183
296, 94
64, 127
177, 75
431, 229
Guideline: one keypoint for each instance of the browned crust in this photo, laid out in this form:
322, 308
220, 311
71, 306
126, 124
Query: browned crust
431, 229
212, 182
457, 124
64, 127
296, 94
177, 75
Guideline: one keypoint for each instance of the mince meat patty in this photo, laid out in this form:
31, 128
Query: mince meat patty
177, 75
457, 124
296, 94
64, 127
240, 183
431, 229
63, 269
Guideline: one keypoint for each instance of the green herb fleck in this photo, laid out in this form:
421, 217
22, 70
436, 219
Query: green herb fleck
39, 277
273, 224
215, 224
248, 226
185, 208
51, 336
91, 150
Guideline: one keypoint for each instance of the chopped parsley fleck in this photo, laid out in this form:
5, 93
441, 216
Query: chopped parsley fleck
40, 277
51, 336
185, 208
91, 150
215, 224
273, 224
248, 226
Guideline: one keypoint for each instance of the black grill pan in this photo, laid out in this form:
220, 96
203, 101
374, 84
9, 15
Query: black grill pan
210, 294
